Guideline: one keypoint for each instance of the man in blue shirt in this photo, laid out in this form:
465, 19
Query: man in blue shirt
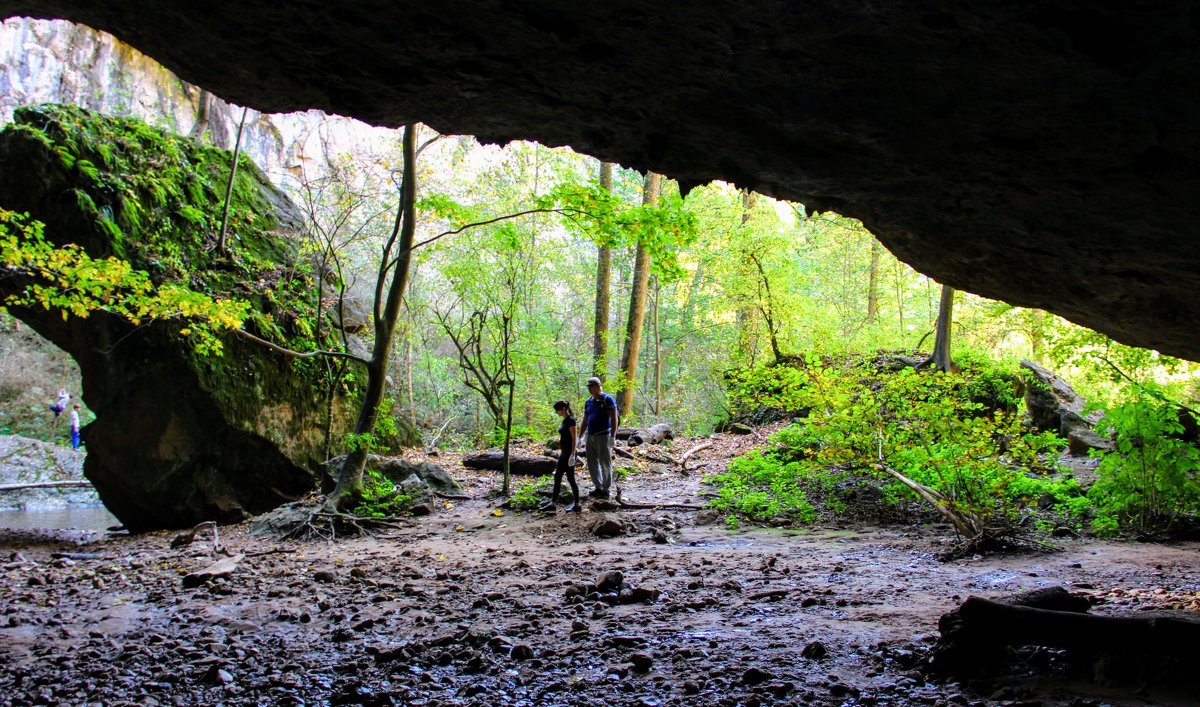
600, 423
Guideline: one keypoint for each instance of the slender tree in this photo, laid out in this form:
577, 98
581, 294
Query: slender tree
745, 312
603, 286
237, 151
940, 360
873, 284
391, 280
637, 301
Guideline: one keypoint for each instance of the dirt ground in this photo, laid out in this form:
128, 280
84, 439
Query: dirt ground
472, 606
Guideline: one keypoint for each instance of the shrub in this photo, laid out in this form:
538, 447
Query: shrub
379, 498
527, 495
929, 428
1151, 477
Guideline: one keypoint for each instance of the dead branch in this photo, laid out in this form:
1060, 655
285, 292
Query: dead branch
623, 453
189, 537
688, 454
967, 525
46, 485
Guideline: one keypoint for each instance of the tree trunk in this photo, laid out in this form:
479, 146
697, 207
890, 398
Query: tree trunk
203, 103
941, 343
237, 151
637, 303
512, 384
657, 353
746, 345
873, 284
603, 287
386, 312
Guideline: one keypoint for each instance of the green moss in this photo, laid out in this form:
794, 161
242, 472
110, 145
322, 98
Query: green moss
155, 200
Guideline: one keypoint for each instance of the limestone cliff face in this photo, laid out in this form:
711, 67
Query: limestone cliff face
179, 436
54, 61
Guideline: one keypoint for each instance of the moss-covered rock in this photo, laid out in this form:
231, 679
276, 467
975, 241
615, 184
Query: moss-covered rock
180, 436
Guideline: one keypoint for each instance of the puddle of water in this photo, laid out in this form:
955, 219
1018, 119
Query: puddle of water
77, 518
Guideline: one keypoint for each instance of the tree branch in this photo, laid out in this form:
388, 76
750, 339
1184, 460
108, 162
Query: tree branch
298, 354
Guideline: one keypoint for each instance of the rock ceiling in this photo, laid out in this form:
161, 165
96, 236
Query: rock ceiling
1042, 153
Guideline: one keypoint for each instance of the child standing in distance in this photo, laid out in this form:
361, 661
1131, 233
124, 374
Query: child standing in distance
61, 404
75, 428
567, 437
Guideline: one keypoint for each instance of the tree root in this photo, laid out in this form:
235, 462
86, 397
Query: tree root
329, 525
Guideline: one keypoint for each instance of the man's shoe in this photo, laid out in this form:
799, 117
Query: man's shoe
595, 493
573, 508
547, 507
602, 494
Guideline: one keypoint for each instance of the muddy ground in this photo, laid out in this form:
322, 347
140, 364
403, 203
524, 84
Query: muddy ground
471, 607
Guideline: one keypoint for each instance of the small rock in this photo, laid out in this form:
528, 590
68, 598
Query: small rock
327, 576
638, 595
755, 676
662, 537
814, 651
641, 662
739, 428
607, 526
521, 651
610, 581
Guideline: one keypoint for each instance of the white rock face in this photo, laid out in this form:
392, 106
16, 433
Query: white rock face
24, 460
54, 61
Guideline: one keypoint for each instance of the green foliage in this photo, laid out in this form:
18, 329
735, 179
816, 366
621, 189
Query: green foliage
527, 495
779, 388
762, 488
378, 498
359, 442
1150, 479
495, 438
863, 420
66, 279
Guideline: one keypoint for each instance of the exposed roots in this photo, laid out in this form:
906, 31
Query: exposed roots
316, 519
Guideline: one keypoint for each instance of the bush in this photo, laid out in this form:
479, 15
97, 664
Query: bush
762, 488
528, 494
380, 499
931, 428
1151, 477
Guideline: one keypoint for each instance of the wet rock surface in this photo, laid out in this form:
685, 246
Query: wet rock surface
24, 460
1042, 154
466, 607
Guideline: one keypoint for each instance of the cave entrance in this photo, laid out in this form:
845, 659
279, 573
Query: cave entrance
35, 444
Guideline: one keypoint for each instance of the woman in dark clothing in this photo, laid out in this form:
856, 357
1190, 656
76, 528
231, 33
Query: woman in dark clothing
567, 439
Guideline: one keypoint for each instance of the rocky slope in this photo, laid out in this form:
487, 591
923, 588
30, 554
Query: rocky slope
24, 461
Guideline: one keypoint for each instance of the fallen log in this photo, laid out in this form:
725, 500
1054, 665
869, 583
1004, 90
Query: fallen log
221, 568
688, 454
623, 453
47, 485
655, 434
975, 635
524, 464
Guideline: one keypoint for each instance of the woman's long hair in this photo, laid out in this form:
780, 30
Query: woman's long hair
564, 404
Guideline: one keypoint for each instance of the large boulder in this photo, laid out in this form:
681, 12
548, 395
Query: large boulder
1052, 405
180, 436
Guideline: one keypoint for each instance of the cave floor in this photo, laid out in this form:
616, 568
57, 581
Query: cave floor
468, 607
